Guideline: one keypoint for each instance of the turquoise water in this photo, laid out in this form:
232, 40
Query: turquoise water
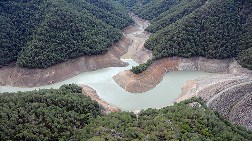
108, 90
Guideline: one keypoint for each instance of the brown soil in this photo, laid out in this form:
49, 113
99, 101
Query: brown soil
16, 76
130, 46
154, 74
148, 79
106, 108
229, 91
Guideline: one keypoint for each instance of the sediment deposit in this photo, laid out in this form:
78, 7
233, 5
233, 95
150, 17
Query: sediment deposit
154, 74
148, 79
105, 107
137, 36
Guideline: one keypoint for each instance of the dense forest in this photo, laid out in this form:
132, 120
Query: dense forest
45, 114
245, 58
41, 33
67, 114
210, 28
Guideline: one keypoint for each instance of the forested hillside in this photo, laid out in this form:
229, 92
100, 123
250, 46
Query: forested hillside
209, 28
245, 58
41, 33
66, 114
45, 114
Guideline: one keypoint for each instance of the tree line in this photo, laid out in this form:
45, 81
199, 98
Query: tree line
67, 114
217, 29
39, 34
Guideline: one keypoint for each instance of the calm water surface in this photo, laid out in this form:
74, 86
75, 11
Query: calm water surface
101, 80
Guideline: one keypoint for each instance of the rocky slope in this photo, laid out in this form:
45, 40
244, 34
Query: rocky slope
137, 36
228, 94
228, 90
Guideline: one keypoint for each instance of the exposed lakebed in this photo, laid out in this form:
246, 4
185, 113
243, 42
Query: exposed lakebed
101, 80
108, 90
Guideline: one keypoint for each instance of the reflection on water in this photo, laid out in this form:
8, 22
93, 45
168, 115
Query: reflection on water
101, 80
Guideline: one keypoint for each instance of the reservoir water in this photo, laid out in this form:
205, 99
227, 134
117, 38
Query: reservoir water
108, 90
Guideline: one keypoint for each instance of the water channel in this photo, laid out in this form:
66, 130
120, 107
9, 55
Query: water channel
108, 90
101, 80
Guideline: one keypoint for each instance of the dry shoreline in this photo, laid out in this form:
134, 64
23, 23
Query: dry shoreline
138, 36
106, 108
154, 74
130, 46
228, 91
21, 77
229, 94
218, 90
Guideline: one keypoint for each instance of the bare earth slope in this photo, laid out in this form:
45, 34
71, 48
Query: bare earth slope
154, 74
137, 36
228, 91
16, 76
228, 94
131, 46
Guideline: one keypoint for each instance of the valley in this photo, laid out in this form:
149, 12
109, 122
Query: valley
126, 70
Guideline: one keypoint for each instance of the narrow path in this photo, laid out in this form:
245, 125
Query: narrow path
225, 90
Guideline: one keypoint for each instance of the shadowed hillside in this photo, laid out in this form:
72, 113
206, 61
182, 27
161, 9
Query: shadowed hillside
39, 34
217, 29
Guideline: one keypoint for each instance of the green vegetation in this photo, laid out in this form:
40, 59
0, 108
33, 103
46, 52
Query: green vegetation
153, 8
45, 114
141, 67
39, 34
178, 122
66, 114
132, 5
245, 58
176, 12
211, 31
209, 28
